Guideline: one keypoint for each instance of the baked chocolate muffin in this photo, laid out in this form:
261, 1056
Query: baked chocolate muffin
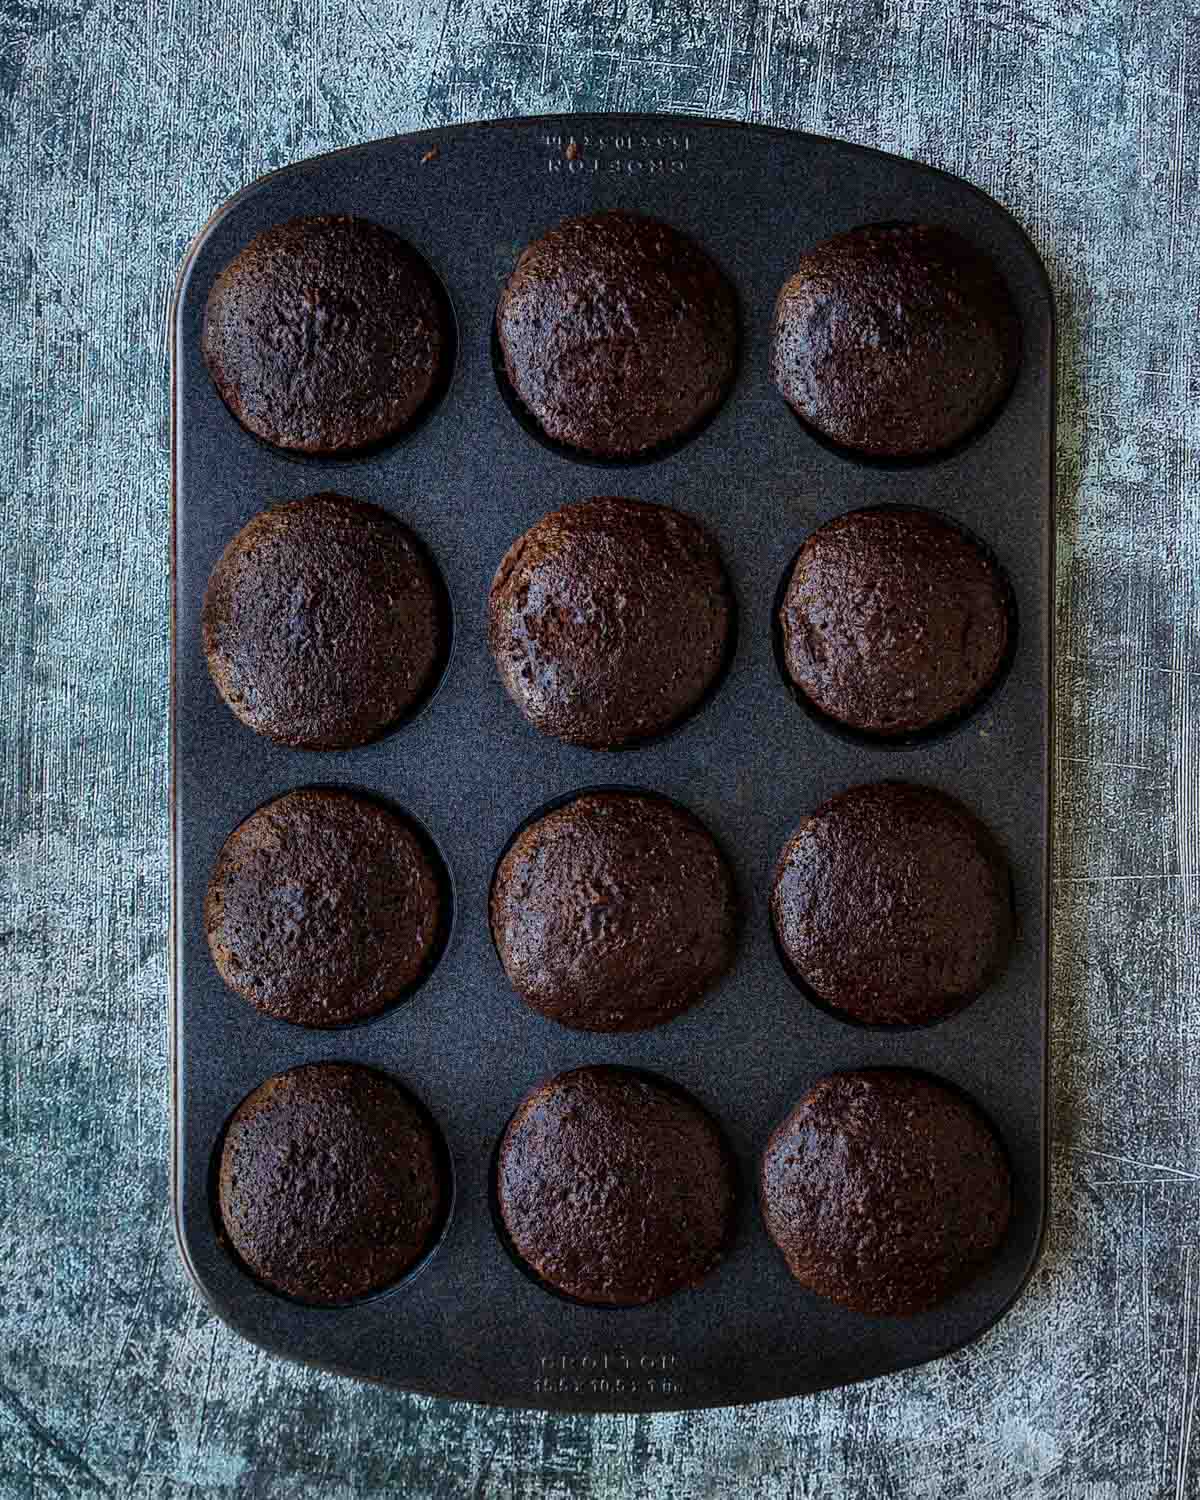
615, 1189
885, 1191
323, 623
610, 621
325, 335
894, 621
895, 340
614, 912
331, 1182
891, 903
618, 333
323, 908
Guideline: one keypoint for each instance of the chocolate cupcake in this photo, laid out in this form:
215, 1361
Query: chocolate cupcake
331, 1182
610, 621
323, 908
325, 335
615, 1189
893, 621
614, 912
891, 904
618, 334
324, 623
895, 340
885, 1191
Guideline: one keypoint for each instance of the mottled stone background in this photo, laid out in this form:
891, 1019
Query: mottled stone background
123, 125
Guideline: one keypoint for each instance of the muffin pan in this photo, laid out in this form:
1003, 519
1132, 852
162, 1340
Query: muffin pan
468, 770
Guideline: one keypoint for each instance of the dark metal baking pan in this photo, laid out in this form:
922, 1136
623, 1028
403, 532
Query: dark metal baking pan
750, 764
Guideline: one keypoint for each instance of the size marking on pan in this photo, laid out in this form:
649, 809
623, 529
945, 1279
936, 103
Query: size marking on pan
613, 1373
621, 153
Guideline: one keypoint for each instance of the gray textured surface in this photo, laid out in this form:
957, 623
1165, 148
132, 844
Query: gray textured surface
122, 125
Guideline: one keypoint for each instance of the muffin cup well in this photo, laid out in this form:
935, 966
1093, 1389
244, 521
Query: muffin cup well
688, 718
912, 739
954, 1284
438, 392
669, 1086
565, 800
446, 904
995, 855
973, 433
437, 1235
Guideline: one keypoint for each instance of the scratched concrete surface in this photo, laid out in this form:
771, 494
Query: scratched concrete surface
123, 125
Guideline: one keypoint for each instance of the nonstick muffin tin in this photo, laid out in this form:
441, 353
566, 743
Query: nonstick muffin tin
469, 1322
